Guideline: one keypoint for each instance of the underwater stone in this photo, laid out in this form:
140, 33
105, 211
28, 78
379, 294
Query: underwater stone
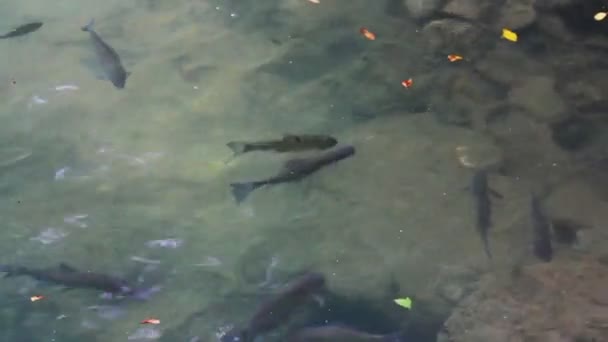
517, 14
572, 133
419, 9
537, 96
468, 9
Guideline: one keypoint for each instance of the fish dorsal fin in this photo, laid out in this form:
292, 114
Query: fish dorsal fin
292, 138
65, 267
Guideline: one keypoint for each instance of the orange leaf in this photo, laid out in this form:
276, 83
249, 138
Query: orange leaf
367, 33
154, 321
36, 298
454, 58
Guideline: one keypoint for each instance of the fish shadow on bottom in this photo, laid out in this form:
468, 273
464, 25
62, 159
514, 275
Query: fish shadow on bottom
335, 317
377, 317
342, 318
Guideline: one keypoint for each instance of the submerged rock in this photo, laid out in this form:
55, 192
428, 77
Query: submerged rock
505, 65
463, 98
420, 9
554, 26
588, 211
572, 133
468, 9
538, 97
517, 14
444, 32
553, 4
583, 93
563, 301
486, 156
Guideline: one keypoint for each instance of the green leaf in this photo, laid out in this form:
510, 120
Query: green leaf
404, 302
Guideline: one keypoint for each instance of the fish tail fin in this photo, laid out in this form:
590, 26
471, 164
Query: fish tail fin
89, 26
240, 191
237, 147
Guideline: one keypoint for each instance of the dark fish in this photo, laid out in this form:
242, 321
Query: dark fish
108, 58
22, 30
293, 170
335, 333
70, 277
541, 242
481, 193
289, 143
277, 310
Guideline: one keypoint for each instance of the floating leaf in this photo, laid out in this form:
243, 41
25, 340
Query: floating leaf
454, 58
367, 33
404, 302
407, 83
36, 298
154, 321
509, 35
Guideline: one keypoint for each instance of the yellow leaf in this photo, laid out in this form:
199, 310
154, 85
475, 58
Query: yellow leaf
509, 35
600, 16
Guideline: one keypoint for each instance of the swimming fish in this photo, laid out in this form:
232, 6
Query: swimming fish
541, 243
288, 143
336, 333
70, 277
108, 58
293, 170
481, 193
22, 30
278, 309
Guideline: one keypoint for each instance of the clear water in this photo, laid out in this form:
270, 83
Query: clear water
91, 174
